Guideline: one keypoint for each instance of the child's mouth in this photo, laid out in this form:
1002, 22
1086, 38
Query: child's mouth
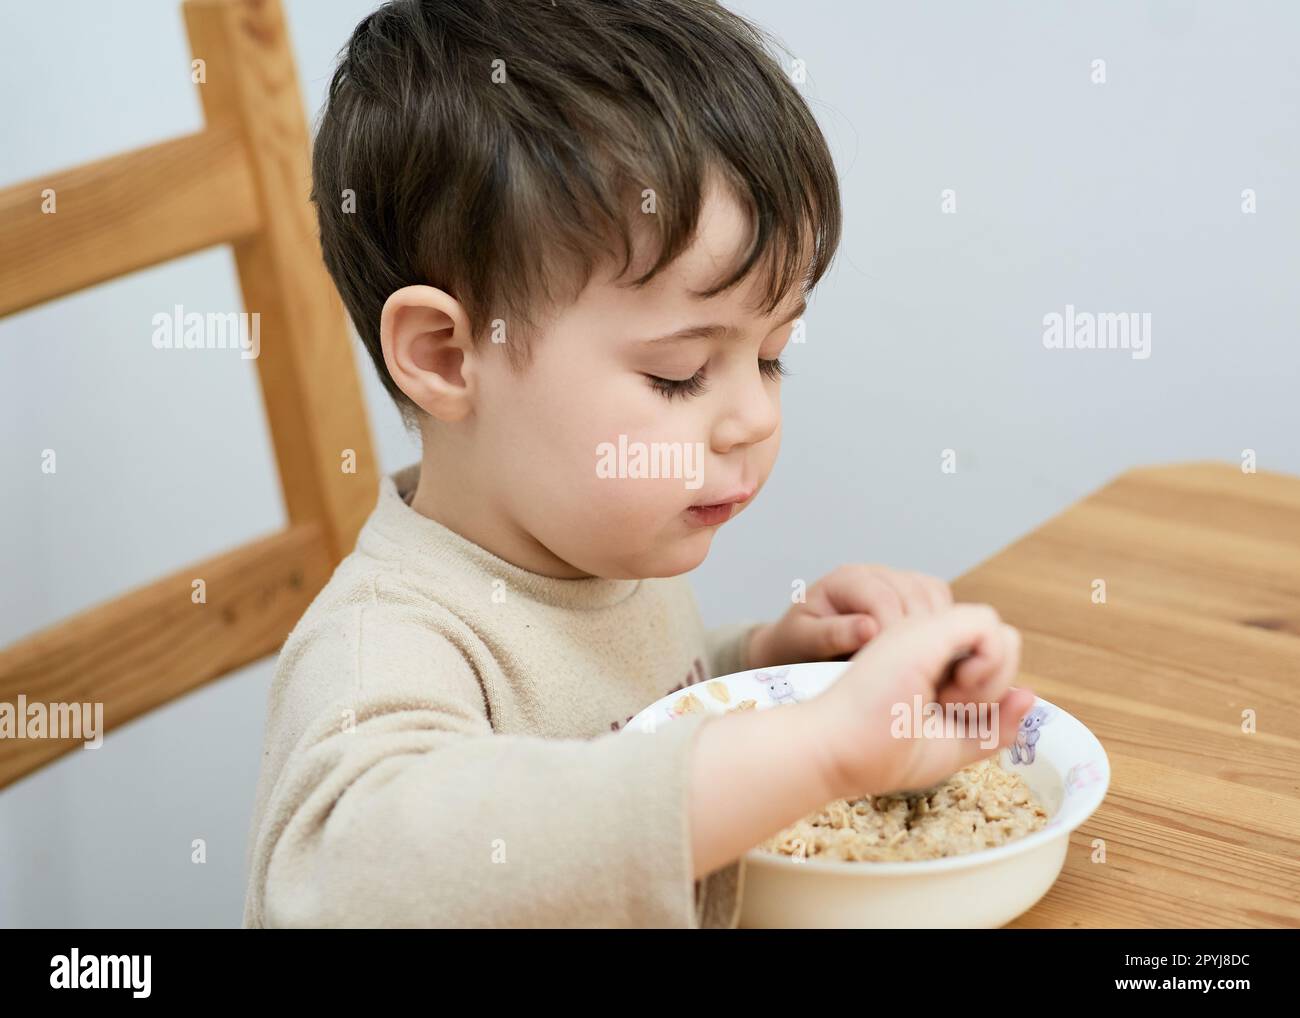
718, 512
711, 515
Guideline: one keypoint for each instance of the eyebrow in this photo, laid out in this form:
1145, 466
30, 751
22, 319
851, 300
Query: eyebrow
718, 331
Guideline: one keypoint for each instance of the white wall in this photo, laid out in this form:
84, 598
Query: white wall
927, 335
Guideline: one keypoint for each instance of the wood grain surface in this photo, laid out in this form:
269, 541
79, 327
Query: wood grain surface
1201, 622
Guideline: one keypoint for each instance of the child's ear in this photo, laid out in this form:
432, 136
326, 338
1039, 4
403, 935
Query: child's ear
428, 350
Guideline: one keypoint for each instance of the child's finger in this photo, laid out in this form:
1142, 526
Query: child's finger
929, 644
1012, 709
971, 629
881, 600
913, 593
977, 671
842, 634
936, 591
1009, 667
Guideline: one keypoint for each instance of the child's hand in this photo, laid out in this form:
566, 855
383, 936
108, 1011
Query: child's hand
843, 611
865, 753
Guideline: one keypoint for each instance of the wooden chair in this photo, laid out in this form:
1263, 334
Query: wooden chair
244, 180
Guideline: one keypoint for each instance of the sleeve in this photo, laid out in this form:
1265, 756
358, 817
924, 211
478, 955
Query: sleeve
726, 645
417, 814
719, 895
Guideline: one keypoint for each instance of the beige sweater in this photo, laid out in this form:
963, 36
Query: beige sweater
442, 745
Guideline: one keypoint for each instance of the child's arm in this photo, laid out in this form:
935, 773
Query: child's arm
753, 773
756, 772
398, 805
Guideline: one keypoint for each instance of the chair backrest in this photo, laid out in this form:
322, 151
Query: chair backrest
245, 181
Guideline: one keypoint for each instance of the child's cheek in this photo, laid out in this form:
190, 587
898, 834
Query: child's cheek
637, 504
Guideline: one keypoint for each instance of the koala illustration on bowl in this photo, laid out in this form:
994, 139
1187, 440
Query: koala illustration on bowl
1022, 750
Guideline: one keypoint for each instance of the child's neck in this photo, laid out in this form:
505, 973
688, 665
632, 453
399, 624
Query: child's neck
478, 517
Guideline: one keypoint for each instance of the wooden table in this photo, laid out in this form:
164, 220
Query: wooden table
1201, 622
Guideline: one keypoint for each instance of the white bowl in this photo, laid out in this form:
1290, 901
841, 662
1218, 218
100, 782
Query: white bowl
1064, 766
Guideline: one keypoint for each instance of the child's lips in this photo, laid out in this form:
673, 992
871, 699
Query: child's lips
734, 498
711, 514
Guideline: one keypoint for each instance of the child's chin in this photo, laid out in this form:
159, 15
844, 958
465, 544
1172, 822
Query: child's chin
681, 556
685, 554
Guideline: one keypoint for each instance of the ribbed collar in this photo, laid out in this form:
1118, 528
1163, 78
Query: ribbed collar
396, 532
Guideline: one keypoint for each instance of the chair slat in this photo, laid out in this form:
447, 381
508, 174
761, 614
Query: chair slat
147, 647
124, 213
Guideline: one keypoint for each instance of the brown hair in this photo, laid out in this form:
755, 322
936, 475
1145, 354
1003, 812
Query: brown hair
495, 148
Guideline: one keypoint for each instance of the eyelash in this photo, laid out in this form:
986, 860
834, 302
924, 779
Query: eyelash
670, 388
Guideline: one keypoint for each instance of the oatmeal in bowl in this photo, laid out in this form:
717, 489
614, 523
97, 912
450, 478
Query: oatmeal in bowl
976, 850
981, 806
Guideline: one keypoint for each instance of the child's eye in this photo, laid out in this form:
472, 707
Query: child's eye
673, 387
670, 388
